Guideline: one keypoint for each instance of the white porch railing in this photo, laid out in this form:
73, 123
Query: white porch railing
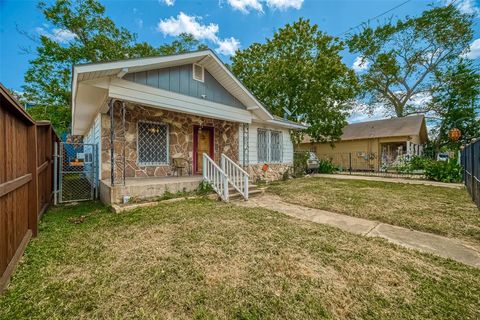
214, 175
237, 177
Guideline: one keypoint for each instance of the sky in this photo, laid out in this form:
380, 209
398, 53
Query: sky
224, 25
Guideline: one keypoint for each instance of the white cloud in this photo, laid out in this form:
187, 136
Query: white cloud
183, 23
167, 2
246, 5
363, 112
465, 6
474, 51
228, 46
360, 64
285, 4
57, 35
188, 24
139, 23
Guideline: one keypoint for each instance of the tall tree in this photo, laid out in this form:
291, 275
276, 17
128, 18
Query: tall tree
300, 69
455, 103
83, 34
406, 58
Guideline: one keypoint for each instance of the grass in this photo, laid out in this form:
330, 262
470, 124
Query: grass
203, 259
444, 211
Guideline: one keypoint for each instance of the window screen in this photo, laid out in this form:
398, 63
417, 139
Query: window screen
275, 146
152, 143
262, 145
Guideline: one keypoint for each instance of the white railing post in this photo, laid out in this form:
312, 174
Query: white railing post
246, 186
235, 175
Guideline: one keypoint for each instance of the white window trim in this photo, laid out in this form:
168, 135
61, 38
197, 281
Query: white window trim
203, 72
269, 145
280, 134
153, 164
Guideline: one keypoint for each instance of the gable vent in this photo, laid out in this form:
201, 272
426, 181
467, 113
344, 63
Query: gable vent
198, 72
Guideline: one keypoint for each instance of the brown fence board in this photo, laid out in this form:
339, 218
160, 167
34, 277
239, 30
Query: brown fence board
26, 177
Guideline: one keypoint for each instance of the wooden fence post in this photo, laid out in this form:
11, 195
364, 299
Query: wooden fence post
33, 184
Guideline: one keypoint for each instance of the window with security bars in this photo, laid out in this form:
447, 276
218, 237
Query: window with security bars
262, 143
275, 146
152, 148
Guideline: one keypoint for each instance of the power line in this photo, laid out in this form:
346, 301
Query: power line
382, 14
376, 17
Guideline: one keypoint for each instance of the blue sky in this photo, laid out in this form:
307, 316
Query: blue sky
222, 24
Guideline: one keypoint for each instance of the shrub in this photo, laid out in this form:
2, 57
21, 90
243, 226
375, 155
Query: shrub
326, 166
419, 163
204, 188
444, 171
300, 163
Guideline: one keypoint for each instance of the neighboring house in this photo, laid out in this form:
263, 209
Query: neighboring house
167, 113
373, 145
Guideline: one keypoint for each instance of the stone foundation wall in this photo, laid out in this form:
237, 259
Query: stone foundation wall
180, 140
275, 171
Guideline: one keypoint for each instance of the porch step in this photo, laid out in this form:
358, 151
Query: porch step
253, 191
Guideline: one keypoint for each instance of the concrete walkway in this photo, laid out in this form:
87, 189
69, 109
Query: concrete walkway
394, 180
426, 242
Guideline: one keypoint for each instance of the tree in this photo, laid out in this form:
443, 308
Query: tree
407, 58
455, 103
300, 70
92, 37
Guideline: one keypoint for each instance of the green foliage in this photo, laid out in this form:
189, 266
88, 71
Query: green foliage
455, 102
300, 163
408, 58
96, 39
204, 188
300, 69
419, 163
326, 166
444, 171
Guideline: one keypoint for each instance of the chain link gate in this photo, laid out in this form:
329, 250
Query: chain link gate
78, 172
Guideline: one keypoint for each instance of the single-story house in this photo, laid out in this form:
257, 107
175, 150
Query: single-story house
372, 145
166, 123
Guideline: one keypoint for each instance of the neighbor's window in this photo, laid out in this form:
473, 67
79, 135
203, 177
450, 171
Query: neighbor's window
152, 147
275, 146
262, 143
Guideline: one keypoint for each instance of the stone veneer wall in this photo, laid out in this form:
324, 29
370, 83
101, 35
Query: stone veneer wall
180, 138
275, 171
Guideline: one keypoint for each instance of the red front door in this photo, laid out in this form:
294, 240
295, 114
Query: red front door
202, 143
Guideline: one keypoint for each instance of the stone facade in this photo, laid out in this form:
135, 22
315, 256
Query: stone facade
180, 140
275, 171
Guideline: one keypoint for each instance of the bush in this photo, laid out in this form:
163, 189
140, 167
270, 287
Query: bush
419, 163
444, 171
300, 163
326, 166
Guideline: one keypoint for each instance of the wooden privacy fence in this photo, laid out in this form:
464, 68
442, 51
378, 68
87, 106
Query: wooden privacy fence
26, 179
470, 159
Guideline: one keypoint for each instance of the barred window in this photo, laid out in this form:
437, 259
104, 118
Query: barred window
275, 146
152, 145
262, 143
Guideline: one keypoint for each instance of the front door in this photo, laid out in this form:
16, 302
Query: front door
202, 143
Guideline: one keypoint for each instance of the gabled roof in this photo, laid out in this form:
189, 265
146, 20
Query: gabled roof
91, 72
394, 127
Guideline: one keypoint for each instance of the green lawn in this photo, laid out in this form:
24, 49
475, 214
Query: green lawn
444, 211
203, 259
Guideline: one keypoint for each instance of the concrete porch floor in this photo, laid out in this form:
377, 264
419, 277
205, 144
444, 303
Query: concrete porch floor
145, 188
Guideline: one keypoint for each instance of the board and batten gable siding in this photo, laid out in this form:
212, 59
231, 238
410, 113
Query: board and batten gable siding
180, 80
287, 144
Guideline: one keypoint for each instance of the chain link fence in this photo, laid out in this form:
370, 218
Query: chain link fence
77, 172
